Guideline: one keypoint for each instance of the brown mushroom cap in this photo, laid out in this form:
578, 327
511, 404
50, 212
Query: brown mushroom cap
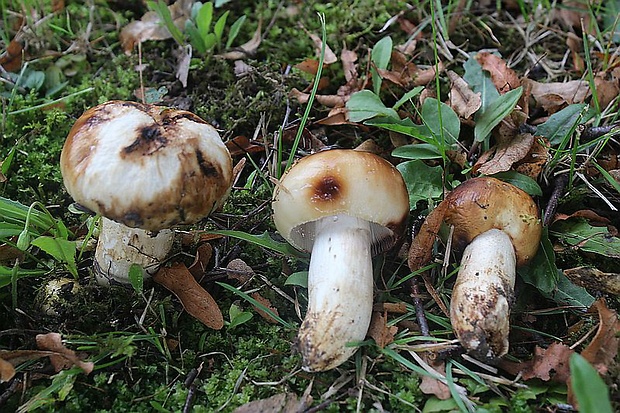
145, 166
480, 204
341, 181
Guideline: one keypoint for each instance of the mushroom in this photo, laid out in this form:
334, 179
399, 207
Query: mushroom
144, 169
344, 206
498, 226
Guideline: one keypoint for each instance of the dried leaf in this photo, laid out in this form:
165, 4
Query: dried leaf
505, 154
280, 403
504, 78
348, 58
380, 331
592, 217
195, 299
238, 270
310, 66
204, 252
330, 56
548, 364
241, 145
150, 27
462, 99
264, 301
327, 100
595, 280
7, 371
61, 357
556, 95
422, 245
11, 59
604, 346
184, 57
536, 159
431, 385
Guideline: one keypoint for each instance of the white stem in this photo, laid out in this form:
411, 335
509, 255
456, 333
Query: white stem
483, 294
119, 247
340, 288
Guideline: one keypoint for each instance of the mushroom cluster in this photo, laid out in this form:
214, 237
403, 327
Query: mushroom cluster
498, 228
344, 206
144, 169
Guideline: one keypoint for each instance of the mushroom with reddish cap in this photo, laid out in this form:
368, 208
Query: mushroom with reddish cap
144, 169
345, 206
498, 224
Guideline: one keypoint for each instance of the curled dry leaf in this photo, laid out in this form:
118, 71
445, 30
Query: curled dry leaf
331, 101
422, 245
61, 357
604, 346
556, 95
380, 331
536, 159
431, 385
462, 99
204, 252
595, 280
150, 27
504, 78
548, 364
330, 57
505, 154
195, 299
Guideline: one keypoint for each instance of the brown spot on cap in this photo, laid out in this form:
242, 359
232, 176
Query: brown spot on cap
328, 188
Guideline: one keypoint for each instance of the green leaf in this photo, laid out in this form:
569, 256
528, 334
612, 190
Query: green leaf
6, 163
264, 240
580, 234
220, 24
567, 293
204, 19
380, 56
417, 151
365, 104
237, 316
490, 117
136, 277
521, 181
6, 274
61, 249
588, 386
235, 28
408, 96
480, 81
559, 126
164, 13
299, 278
423, 182
449, 128
195, 38
542, 272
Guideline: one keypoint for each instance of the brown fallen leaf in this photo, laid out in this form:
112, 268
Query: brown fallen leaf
11, 59
204, 252
327, 100
556, 95
195, 299
380, 331
310, 66
237, 269
604, 346
151, 27
7, 371
504, 78
533, 163
548, 364
462, 99
505, 154
280, 403
592, 217
329, 57
264, 301
240, 146
430, 385
421, 247
61, 357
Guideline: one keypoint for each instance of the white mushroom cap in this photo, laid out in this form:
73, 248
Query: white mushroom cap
355, 183
145, 166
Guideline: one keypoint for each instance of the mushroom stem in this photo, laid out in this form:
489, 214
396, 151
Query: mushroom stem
120, 246
483, 294
340, 288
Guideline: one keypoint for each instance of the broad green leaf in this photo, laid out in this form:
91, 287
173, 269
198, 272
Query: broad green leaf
542, 272
423, 182
480, 81
136, 277
263, 240
450, 124
210, 40
204, 19
218, 28
578, 233
237, 316
521, 181
234, 30
560, 126
299, 278
380, 56
588, 386
61, 249
6, 274
404, 126
365, 104
195, 38
491, 116
567, 293
436, 405
417, 151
